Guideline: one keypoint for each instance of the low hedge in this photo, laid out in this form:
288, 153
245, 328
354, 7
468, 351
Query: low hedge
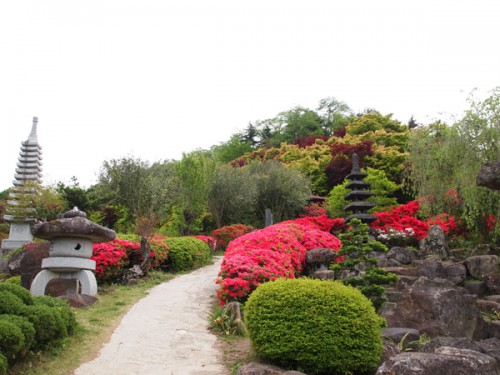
319, 327
23, 293
187, 253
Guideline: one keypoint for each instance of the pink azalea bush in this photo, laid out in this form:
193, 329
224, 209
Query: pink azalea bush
277, 251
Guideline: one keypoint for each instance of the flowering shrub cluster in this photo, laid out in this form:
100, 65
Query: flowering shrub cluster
277, 251
400, 224
314, 209
228, 233
111, 257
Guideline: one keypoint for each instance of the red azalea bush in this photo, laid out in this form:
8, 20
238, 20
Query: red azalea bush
267, 254
228, 233
403, 220
109, 258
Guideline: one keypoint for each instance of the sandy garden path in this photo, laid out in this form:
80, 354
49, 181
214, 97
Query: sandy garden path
166, 332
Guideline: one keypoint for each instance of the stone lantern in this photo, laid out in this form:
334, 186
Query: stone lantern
71, 239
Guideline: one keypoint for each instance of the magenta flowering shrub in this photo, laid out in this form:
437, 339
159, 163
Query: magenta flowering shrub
277, 251
109, 258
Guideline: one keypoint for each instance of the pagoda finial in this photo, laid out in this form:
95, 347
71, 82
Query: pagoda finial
355, 163
32, 137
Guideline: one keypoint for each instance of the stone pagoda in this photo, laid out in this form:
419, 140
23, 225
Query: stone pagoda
28, 173
358, 195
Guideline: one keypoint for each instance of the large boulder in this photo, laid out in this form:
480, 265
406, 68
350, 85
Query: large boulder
263, 369
445, 361
482, 265
489, 175
435, 243
438, 308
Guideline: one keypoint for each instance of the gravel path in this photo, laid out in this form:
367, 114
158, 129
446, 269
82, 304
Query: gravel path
166, 332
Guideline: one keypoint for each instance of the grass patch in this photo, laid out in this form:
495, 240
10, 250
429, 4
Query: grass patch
95, 326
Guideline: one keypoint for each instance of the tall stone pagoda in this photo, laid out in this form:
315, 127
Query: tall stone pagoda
360, 191
28, 173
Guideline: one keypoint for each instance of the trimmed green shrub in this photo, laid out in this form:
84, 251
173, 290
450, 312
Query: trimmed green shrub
10, 303
23, 293
14, 280
187, 253
61, 308
47, 326
4, 365
319, 327
25, 325
11, 338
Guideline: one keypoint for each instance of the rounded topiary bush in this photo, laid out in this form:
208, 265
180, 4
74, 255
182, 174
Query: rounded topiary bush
47, 325
321, 327
10, 303
11, 338
187, 253
25, 325
62, 310
23, 293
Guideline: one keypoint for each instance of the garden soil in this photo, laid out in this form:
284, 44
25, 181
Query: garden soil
166, 332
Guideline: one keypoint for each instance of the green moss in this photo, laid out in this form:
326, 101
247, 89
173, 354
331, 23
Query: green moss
321, 327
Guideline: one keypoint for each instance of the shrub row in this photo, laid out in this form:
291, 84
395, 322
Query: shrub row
175, 253
28, 322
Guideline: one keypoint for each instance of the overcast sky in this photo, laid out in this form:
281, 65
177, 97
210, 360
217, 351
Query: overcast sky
153, 79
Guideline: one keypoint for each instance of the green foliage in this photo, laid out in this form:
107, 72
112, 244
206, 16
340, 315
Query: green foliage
10, 303
4, 364
141, 188
444, 158
14, 280
195, 174
25, 325
11, 338
187, 253
48, 326
380, 186
359, 265
61, 308
232, 195
23, 293
232, 149
221, 320
320, 327
371, 122
280, 189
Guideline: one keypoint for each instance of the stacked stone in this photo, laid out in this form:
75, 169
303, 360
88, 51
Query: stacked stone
29, 170
358, 195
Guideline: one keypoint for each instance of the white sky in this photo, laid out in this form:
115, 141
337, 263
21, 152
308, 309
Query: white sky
155, 78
